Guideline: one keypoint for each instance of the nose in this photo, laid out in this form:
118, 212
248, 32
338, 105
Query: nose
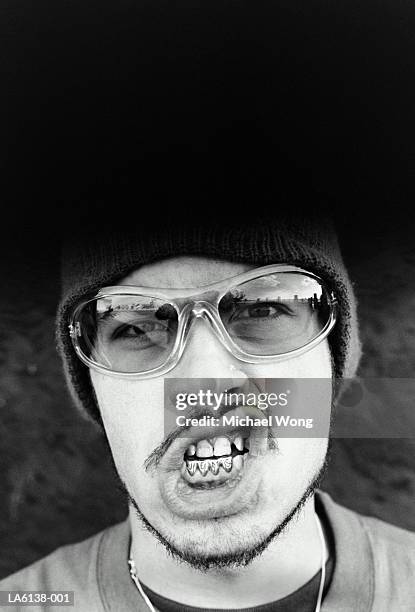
207, 364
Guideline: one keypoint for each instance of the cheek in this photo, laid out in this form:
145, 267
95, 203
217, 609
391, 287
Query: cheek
304, 453
132, 413
293, 469
315, 363
301, 457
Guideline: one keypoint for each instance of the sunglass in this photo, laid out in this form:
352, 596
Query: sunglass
264, 315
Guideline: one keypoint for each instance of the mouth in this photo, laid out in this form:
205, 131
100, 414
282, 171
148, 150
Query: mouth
211, 462
211, 474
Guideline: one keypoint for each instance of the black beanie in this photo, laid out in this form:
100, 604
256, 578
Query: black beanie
102, 258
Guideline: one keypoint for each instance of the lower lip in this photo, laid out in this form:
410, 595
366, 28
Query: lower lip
233, 493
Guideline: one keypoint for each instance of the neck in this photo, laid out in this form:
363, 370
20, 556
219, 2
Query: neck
290, 561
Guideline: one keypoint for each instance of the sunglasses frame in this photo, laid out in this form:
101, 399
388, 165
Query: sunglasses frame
204, 302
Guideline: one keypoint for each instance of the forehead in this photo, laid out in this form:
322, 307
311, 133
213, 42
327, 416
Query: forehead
184, 271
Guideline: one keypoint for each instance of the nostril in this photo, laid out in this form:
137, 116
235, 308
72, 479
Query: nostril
232, 390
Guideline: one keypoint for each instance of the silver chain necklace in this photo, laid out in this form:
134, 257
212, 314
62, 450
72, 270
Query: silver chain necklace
134, 578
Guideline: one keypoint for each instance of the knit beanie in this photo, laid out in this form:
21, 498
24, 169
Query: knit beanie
101, 258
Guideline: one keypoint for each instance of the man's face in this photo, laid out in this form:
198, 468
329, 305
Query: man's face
239, 512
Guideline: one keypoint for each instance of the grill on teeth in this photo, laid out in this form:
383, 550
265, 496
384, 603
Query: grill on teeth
211, 455
203, 467
227, 463
191, 467
207, 465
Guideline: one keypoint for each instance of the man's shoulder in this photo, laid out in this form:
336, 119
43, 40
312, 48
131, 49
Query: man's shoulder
376, 554
393, 544
69, 568
393, 553
385, 536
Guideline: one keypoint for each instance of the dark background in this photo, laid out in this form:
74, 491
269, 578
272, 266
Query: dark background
118, 112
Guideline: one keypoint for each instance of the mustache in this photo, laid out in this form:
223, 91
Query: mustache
154, 458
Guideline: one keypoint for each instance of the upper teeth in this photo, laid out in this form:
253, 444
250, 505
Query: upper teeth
204, 449
222, 446
218, 447
191, 450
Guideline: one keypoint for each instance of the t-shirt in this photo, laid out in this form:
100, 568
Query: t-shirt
303, 599
374, 568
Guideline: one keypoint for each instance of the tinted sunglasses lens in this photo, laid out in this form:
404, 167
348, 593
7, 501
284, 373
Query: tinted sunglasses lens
275, 313
128, 333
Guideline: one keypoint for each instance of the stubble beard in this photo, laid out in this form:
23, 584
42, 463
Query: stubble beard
233, 559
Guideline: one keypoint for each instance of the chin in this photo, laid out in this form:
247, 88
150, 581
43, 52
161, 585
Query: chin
228, 541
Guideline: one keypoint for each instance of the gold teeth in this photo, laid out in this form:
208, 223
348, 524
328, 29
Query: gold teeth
209, 465
214, 467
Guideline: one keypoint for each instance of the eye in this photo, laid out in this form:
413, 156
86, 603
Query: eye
145, 328
261, 310
166, 312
